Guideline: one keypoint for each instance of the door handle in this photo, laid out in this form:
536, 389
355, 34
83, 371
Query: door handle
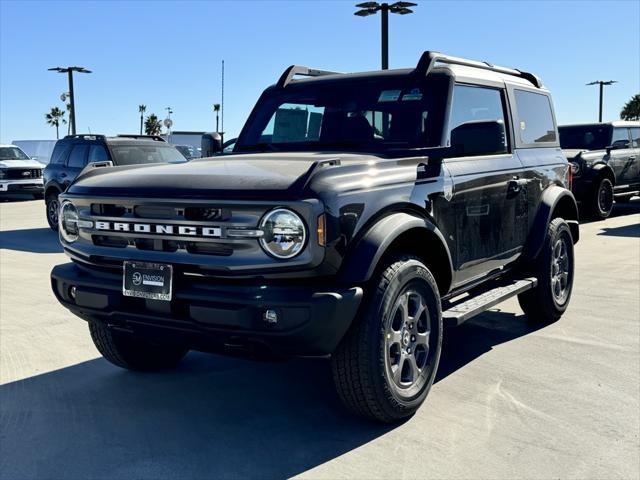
632, 158
63, 175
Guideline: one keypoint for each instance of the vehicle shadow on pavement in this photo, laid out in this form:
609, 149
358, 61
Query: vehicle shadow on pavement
35, 240
624, 231
213, 417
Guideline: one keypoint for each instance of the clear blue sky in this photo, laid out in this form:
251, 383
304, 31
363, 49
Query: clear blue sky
168, 53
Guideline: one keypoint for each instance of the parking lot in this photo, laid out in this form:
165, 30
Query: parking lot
511, 399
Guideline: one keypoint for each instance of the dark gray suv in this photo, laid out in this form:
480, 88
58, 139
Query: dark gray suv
74, 152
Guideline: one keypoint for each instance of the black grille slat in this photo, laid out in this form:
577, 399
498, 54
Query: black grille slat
22, 173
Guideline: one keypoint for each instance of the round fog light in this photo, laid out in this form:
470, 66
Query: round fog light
72, 292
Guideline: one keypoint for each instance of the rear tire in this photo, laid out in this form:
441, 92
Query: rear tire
134, 353
553, 268
601, 199
52, 205
385, 365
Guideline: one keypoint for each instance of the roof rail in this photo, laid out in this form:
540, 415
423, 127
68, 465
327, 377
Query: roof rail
83, 135
429, 59
156, 138
293, 70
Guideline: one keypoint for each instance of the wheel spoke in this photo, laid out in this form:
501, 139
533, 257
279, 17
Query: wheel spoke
413, 367
394, 337
397, 369
422, 338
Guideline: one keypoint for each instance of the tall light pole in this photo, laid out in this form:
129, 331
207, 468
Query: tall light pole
602, 83
72, 110
371, 8
216, 109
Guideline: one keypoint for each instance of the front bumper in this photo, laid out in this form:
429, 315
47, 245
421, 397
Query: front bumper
211, 315
33, 185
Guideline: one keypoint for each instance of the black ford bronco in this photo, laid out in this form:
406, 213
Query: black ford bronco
605, 162
358, 215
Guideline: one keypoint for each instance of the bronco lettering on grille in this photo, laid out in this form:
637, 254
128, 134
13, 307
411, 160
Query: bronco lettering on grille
162, 229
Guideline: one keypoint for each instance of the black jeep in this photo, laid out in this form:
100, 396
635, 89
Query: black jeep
358, 215
605, 160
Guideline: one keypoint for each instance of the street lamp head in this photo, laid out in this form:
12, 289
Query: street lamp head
69, 69
365, 12
368, 5
402, 5
402, 11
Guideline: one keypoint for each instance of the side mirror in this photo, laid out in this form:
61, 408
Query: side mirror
618, 145
211, 144
480, 138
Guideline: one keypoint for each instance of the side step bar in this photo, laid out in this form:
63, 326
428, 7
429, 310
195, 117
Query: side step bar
455, 313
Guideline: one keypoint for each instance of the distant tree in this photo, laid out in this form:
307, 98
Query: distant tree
55, 118
141, 109
152, 125
631, 110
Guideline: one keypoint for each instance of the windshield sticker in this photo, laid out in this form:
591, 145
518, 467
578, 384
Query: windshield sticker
414, 94
389, 96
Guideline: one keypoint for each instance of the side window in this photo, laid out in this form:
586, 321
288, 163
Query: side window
97, 153
59, 153
635, 137
535, 120
620, 138
477, 121
78, 156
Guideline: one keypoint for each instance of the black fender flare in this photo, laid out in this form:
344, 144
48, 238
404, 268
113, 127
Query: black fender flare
599, 169
363, 260
555, 202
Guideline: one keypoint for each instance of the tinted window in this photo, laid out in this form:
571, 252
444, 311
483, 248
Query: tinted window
620, 138
587, 137
77, 158
477, 121
97, 153
147, 152
534, 117
59, 153
635, 137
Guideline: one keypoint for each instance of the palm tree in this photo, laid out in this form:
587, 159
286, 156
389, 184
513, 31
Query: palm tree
631, 110
55, 118
141, 109
152, 125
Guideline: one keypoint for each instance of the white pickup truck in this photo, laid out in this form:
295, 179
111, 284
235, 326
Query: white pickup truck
19, 173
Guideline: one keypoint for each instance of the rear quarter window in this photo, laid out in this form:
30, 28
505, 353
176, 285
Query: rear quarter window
535, 118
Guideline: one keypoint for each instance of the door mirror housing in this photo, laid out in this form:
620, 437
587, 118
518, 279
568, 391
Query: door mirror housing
480, 138
211, 144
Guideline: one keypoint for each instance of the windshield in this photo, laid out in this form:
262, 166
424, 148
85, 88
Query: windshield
587, 137
139, 154
12, 153
362, 115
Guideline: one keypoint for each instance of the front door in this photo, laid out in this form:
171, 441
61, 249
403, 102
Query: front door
622, 158
489, 191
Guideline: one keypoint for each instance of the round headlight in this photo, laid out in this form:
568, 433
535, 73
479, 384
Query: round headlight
575, 168
68, 222
284, 233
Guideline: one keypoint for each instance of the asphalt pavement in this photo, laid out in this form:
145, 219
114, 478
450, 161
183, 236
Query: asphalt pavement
512, 399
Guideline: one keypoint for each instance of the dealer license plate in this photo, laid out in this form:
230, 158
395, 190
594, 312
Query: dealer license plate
147, 280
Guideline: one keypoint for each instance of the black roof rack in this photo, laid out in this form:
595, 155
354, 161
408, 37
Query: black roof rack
84, 135
293, 70
429, 59
156, 138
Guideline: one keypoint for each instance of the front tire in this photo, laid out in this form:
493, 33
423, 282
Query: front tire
553, 268
53, 207
601, 201
134, 353
384, 367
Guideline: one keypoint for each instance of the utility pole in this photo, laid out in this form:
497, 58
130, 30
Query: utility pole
601, 83
72, 109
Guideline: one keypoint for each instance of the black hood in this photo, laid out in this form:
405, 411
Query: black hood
239, 176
